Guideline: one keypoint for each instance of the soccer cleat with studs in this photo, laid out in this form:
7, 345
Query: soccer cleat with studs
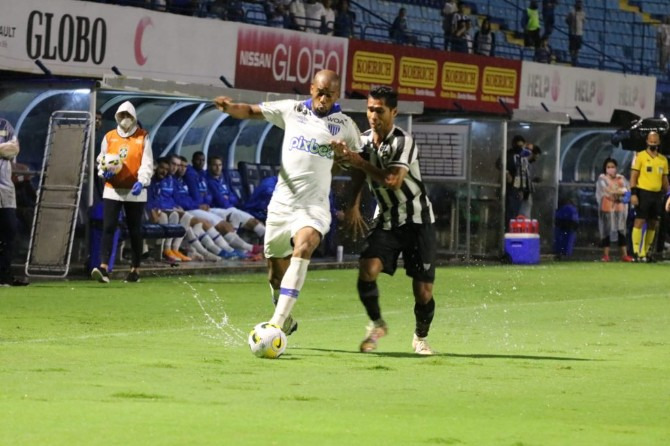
375, 330
290, 326
421, 347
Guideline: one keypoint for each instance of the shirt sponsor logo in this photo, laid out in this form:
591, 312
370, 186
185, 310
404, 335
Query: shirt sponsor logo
311, 146
336, 120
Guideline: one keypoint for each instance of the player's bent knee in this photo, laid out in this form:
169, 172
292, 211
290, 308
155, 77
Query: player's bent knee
369, 269
187, 220
423, 291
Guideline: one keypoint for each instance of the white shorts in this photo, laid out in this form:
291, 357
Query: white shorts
207, 216
284, 222
234, 216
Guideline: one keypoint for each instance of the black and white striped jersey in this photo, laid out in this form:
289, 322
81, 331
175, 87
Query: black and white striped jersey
410, 203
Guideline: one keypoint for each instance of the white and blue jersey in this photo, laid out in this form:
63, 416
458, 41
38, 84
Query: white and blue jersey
307, 157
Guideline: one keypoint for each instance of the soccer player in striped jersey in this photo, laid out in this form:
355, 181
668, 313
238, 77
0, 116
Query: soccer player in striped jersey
404, 219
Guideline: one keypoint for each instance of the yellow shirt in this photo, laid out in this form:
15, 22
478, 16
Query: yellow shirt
651, 170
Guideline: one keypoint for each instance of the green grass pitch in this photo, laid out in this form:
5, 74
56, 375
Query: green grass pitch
555, 354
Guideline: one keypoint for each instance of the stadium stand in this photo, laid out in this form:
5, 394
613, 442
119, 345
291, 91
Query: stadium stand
620, 35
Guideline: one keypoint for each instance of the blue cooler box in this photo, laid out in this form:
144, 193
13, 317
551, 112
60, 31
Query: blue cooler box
522, 248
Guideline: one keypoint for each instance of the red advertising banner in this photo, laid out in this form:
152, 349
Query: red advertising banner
284, 61
442, 80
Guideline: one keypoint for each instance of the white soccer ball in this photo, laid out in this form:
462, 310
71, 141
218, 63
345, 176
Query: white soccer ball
267, 340
111, 163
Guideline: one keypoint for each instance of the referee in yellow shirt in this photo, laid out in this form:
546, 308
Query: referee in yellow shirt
648, 183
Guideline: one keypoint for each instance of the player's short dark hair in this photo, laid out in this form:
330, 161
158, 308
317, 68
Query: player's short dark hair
163, 159
389, 95
212, 158
183, 158
198, 153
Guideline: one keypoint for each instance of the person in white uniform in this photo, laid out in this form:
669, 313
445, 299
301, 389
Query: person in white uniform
299, 211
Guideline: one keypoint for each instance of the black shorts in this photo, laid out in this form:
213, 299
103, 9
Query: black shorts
650, 205
416, 242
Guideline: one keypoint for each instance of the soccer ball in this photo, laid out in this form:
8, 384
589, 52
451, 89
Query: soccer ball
267, 340
111, 163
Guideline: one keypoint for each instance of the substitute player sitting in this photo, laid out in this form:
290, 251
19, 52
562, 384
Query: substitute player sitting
224, 202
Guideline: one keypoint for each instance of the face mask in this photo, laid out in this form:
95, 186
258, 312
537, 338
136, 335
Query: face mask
126, 123
653, 148
611, 171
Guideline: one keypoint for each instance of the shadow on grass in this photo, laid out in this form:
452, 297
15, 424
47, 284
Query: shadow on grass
451, 355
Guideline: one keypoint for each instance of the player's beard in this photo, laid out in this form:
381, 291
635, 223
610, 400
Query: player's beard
320, 108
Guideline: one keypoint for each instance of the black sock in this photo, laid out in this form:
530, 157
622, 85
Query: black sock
369, 295
424, 316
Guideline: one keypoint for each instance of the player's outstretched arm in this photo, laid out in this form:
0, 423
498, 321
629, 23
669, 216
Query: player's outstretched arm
238, 110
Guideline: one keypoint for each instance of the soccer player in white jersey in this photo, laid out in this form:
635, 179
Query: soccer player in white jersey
299, 211
403, 219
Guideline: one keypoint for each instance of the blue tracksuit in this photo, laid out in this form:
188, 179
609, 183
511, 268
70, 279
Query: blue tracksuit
162, 193
257, 204
196, 180
222, 196
183, 196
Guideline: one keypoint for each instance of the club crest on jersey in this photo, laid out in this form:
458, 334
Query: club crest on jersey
334, 129
123, 152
